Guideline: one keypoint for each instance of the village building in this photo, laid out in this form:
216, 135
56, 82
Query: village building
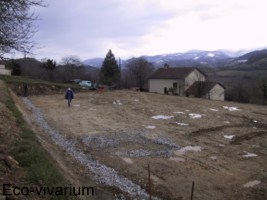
184, 81
208, 90
4, 71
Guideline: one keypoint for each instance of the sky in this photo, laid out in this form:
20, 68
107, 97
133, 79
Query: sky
132, 28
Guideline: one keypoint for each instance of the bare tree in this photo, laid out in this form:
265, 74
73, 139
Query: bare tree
16, 25
71, 60
72, 68
137, 70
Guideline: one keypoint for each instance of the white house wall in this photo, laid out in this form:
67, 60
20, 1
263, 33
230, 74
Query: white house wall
217, 93
158, 85
4, 71
194, 76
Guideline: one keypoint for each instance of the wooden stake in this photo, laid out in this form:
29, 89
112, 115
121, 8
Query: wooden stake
192, 191
149, 183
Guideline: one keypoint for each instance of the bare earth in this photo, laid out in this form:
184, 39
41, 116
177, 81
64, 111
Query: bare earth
223, 151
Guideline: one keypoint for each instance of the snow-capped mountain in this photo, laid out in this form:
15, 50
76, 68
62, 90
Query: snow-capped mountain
192, 58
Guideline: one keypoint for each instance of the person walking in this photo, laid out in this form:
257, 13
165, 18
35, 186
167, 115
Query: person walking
69, 95
25, 89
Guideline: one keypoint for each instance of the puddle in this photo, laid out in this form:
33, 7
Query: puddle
181, 124
252, 183
162, 117
187, 148
249, 155
229, 136
150, 127
76, 105
215, 110
178, 112
226, 122
127, 160
231, 108
177, 159
195, 116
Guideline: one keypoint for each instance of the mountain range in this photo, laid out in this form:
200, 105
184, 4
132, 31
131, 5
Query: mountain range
193, 58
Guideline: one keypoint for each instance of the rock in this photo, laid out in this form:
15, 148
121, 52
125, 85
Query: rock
11, 162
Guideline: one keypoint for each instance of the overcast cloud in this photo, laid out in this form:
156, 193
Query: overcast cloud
89, 28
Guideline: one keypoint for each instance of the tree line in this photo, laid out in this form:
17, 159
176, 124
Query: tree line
133, 74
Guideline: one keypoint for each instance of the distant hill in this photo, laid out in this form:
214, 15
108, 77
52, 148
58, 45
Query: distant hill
94, 62
196, 58
255, 60
254, 56
28, 62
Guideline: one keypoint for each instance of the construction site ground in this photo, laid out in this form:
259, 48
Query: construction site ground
106, 140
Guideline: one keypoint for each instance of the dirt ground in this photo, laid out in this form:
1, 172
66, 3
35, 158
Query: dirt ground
221, 146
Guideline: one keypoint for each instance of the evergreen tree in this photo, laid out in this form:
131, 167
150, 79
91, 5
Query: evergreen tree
110, 71
50, 64
16, 68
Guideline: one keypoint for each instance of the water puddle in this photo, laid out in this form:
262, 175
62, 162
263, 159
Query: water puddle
195, 116
181, 124
177, 159
229, 137
231, 108
178, 112
162, 117
215, 110
252, 183
187, 148
150, 127
249, 155
127, 160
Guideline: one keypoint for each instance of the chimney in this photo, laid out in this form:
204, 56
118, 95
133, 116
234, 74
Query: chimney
166, 66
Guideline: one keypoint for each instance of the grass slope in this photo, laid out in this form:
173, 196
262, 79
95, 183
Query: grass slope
40, 169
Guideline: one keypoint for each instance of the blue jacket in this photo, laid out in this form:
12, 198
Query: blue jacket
69, 94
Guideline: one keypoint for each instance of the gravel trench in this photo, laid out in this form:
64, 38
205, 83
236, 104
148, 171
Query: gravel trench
103, 174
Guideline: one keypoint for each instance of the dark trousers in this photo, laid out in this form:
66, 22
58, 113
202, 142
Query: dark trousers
69, 101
